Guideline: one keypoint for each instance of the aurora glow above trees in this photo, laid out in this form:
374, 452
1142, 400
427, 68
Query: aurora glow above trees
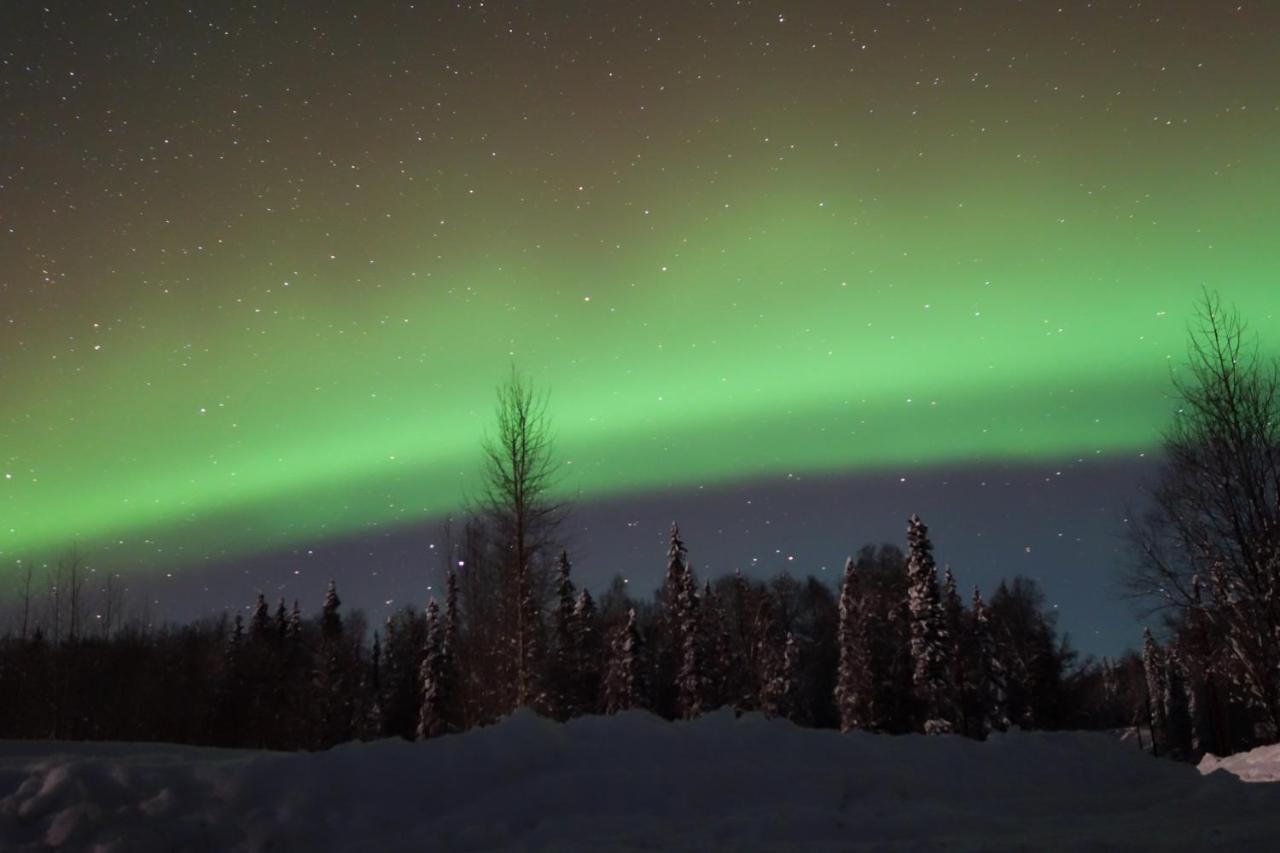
259, 277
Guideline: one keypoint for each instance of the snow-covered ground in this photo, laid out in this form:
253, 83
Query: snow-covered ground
631, 783
1258, 765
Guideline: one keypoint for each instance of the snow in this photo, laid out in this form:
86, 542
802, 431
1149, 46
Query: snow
630, 783
1257, 765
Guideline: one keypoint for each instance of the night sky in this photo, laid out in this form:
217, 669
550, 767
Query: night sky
789, 270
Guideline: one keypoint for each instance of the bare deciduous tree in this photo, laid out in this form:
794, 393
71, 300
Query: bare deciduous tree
1209, 549
521, 522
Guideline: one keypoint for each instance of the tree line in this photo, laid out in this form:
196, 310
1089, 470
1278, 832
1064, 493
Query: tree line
890, 648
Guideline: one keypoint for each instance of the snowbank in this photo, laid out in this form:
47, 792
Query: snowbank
1258, 765
630, 783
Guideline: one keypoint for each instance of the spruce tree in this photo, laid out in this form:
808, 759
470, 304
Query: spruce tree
1177, 708
564, 688
622, 675
450, 635
586, 647
330, 619
370, 717
282, 621
854, 693
450, 655
957, 636
260, 623
928, 637
432, 720
716, 651
689, 679
781, 692
335, 690
293, 633
990, 697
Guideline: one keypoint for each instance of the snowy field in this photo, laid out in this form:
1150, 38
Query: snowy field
631, 783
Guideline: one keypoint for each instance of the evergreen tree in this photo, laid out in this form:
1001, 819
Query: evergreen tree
370, 717
622, 676
564, 685
689, 680
990, 698
957, 634
1176, 707
331, 678
282, 622
779, 694
330, 619
450, 637
677, 568
451, 665
432, 720
855, 688
741, 683
716, 651
229, 700
1157, 688
587, 654
928, 636
260, 623
293, 633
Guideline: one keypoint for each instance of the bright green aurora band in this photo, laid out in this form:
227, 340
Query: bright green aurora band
741, 280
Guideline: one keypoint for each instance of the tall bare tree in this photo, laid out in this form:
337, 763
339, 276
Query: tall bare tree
523, 520
1209, 549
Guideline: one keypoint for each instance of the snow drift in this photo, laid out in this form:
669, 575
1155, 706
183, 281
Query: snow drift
631, 782
1257, 765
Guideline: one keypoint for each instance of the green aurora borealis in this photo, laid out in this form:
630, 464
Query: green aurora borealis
258, 279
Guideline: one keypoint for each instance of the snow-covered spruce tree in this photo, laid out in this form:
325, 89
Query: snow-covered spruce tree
743, 689
622, 673
332, 680
369, 715
928, 637
402, 653
451, 651
432, 720
855, 686
958, 632
563, 688
780, 693
990, 697
586, 654
690, 683
1177, 708
717, 651
1153, 668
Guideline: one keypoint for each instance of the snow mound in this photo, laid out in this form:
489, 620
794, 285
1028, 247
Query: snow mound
1257, 765
630, 783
